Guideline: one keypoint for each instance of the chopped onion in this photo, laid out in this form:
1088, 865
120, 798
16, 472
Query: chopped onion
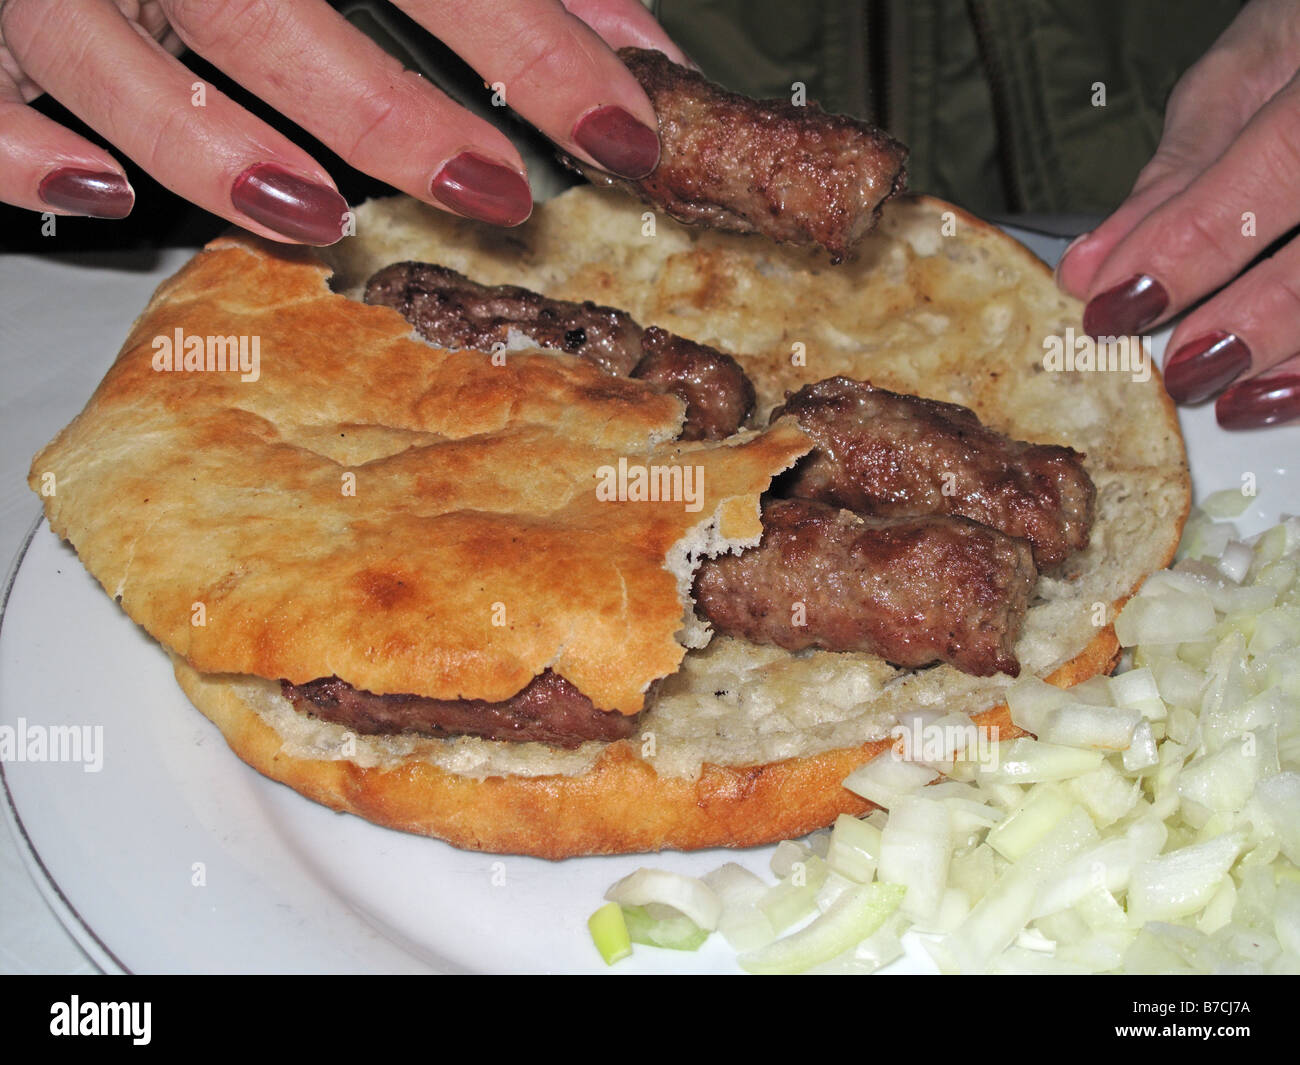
675, 931
1229, 503
856, 914
887, 778
855, 849
684, 894
1183, 881
609, 933
1026, 761
1044, 806
794, 899
915, 849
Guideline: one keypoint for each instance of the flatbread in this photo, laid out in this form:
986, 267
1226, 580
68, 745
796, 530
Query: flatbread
741, 744
372, 507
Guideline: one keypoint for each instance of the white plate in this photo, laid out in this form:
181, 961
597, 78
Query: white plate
288, 885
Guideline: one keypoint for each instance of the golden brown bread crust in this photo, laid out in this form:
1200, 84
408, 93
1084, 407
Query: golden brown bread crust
619, 806
185, 488
709, 288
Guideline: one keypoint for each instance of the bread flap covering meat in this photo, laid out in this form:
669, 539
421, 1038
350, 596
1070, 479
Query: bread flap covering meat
366, 505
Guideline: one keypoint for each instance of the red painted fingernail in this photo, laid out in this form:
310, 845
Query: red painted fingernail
1204, 366
618, 142
1258, 402
88, 192
298, 209
1125, 309
482, 189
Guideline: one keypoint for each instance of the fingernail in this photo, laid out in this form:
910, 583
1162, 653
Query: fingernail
482, 189
1125, 309
618, 142
1204, 366
87, 192
1259, 402
294, 207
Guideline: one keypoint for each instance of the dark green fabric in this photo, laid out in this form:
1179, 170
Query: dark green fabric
993, 97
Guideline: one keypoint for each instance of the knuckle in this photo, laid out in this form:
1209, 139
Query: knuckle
218, 25
174, 128
21, 21
1281, 148
1204, 232
373, 114
539, 52
1281, 288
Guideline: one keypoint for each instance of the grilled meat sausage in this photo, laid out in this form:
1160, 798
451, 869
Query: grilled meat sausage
791, 172
454, 312
914, 591
450, 310
891, 455
549, 710
718, 395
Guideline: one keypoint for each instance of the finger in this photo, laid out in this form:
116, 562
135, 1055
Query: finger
1248, 328
557, 73
140, 98
1207, 109
309, 63
45, 167
626, 24
1270, 399
1205, 235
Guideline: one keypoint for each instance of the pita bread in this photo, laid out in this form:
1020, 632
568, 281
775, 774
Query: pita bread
392, 589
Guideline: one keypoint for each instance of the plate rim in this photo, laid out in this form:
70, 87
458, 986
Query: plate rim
72, 921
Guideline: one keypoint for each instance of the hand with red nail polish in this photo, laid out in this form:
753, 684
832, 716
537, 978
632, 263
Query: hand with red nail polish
1223, 186
554, 62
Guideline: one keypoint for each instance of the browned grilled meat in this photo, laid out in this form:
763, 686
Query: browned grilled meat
718, 395
454, 312
549, 710
791, 172
450, 310
914, 591
891, 455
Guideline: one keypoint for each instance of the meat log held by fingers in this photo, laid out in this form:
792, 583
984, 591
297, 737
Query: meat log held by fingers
891, 455
791, 172
454, 312
914, 591
548, 710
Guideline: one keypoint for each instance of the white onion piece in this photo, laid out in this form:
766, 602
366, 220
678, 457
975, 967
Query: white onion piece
1235, 561
735, 885
1228, 503
854, 849
1141, 753
1025, 761
915, 849
886, 779
855, 915
685, 894
1043, 808
1099, 727
787, 854
1170, 617
1183, 881
1278, 798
